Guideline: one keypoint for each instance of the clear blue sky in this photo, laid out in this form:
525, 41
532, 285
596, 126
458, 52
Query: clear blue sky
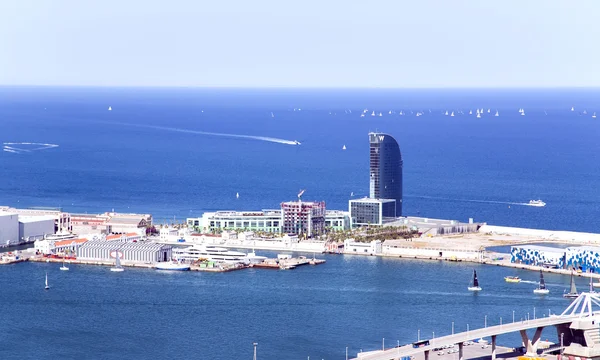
308, 43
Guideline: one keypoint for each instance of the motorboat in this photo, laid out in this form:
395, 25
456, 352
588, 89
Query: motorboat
512, 279
537, 203
297, 142
172, 266
573, 290
118, 267
475, 285
541, 290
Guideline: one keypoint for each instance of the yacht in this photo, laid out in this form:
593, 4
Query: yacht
541, 290
210, 253
512, 279
537, 203
475, 285
61, 235
172, 265
255, 259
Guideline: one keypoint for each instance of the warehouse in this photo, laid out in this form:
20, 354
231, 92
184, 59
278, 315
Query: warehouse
33, 228
135, 252
9, 229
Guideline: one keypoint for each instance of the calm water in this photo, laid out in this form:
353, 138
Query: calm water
311, 311
454, 167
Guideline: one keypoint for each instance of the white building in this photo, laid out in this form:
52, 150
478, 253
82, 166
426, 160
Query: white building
9, 228
33, 228
354, 247
168, 234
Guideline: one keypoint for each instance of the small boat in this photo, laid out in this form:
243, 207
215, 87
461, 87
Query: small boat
172, 266
488, 111
512, 279
237, 195
584, 112
446, 113
272, 115
452, 114
497, 113
470, 112
541, 290
47, 287
478, 115
523, 113
380, 114
118, 267
594, 115
572, 108
64, 267
573, 291
109, 108
373, 113
362, 115
536, 203
475, 285
344, 147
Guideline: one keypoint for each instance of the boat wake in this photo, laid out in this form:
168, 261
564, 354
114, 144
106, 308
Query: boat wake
530, 282
197, 132
10, 147
470, 200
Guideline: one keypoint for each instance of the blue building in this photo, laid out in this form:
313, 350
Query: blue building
538, 255
385, 162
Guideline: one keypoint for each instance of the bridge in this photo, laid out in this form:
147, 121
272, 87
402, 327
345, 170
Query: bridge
580, 313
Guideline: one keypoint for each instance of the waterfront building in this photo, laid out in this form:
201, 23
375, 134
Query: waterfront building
586, 258
137, 252
371, 248
62, 220
67, 247
110, 223
538, 255
305, 218
385, 167
368, 211
33, 228
264, 220
89, 223
337, 220
9, 228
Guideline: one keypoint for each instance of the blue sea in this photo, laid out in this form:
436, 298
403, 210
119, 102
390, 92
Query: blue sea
312, 311
146, 155
170, 152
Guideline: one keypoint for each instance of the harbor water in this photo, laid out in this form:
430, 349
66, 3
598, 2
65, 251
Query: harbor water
315, 311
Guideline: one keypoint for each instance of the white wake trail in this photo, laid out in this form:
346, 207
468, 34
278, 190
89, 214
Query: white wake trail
188, 131
472, 200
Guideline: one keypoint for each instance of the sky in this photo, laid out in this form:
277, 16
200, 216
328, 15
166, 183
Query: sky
308, 43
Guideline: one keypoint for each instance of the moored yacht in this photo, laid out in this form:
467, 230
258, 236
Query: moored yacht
210, 253
172, 265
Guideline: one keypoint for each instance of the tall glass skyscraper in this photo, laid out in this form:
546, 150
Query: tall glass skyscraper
385, 169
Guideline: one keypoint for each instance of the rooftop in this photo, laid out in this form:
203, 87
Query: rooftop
371, 201
30, 219
70, 242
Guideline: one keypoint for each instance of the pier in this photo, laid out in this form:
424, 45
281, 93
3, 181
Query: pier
578, 322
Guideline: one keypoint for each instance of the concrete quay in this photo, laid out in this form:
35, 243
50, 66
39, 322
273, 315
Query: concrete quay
39, 258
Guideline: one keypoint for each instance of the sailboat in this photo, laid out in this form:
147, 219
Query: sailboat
475, 285
470, 112
118, 267
47, 287
446, 113
523, 113
594, 115
64, 267
573, 291
541, 290
344, 147
572, 108
237, 195
109, 108
452, 114
478, 115
497, 113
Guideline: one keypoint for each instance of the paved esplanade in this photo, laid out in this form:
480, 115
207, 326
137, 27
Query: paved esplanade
579, 308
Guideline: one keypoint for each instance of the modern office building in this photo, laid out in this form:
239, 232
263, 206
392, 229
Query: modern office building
385, 164
368, 211
305, 218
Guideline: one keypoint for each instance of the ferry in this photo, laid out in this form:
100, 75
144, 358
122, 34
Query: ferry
538, 203
173, 266
210, 253
512, 279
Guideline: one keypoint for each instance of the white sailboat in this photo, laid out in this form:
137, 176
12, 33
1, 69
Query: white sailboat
344, 147
488, 111
572, 108
109, 108
373, 113
541, 290
47, 287
475, 285
118, 267
452, 114
478, 115
380, 114
64, 267
573, 290
272, 115
446, 113
470, 112
522, 112
237, 195
497, 113
594, 115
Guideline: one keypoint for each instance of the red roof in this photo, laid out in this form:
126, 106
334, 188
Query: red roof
69, 242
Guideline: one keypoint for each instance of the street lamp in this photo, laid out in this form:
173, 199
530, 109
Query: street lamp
534, 313
562, 335
453, 328
485, 321
255, 349
513, 316
383, 344
418, 334
500, 320
346, 353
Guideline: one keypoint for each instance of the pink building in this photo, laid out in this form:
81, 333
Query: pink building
303, 218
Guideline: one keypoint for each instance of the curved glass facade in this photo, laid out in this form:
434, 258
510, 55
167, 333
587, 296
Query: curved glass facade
385, 169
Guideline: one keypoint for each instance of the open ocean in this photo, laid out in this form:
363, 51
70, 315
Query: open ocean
144, 155
152, 153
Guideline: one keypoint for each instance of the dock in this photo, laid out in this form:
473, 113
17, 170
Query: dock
288, 264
